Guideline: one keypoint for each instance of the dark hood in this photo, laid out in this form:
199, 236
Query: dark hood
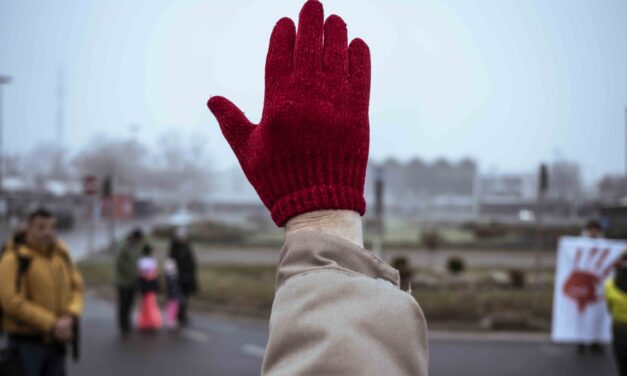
620, 280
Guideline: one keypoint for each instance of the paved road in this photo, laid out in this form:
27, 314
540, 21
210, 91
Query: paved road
216, 345
212, 346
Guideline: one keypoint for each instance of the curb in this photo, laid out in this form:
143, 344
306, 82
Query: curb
506, 337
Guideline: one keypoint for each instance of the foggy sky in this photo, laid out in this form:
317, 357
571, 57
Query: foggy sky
508, 82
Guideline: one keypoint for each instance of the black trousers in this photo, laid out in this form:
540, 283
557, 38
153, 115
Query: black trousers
182, 315
126, 301
38, 358
619, 346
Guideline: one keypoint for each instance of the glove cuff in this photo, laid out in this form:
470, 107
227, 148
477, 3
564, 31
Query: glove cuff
316, 181
321, 197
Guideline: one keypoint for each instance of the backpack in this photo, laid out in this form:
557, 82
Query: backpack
23, 263
9, 366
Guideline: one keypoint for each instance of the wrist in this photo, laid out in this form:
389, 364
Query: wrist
345, 224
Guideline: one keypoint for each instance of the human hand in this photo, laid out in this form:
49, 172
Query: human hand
63, 330
310, 150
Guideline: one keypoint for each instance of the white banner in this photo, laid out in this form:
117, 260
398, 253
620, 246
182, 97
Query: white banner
580, 313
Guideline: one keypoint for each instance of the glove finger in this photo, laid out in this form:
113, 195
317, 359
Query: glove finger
359, 68
281, 51
234, 124
308, 49
335, 58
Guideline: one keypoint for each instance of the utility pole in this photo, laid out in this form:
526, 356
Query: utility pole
108, 196
543, 187
90, 189
60, 119
377, 241
4, 80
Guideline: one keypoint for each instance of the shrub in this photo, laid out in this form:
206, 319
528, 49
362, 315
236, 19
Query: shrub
455, 265
517, 278
490, 231
207, 231
431, 240
401, 263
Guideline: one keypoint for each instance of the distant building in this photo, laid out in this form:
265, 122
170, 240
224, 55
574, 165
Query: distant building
565, 181
506, 187
614, 221
22, 194
437, 190
612, 189
233, 199
514, 197
506, 196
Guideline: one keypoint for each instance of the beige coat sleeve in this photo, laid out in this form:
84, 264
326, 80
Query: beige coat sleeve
338, 311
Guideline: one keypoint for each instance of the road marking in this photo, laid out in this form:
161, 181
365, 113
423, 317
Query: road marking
195, 335
253, 350
216, 326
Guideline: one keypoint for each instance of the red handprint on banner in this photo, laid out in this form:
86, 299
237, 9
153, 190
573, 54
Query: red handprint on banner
583, 281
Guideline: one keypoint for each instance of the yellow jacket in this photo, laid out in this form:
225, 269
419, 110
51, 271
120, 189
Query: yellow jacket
616, 302
51, 287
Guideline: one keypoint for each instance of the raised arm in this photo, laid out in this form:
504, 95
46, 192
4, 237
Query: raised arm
338, 309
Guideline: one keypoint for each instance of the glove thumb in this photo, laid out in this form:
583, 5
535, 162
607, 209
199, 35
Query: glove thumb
235, 126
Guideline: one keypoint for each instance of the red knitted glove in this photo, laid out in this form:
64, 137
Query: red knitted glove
311, 148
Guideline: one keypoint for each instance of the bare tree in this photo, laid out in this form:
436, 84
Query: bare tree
124, 159
47, 160
181, 165
178, 169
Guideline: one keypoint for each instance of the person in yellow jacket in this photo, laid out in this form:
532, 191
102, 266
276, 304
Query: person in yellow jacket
616, 297
41, 293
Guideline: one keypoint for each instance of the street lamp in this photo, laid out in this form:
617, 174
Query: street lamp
379, 184
543, 187
4, 80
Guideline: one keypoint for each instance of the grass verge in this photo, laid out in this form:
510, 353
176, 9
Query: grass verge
249, 290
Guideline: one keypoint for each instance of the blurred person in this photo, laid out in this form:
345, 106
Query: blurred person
616, 297
17, 239
41, 293
126, 277
149, 315
182, 253
173, 292
592, 230
338, 309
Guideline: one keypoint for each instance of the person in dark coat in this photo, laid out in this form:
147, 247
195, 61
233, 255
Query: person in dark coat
126, 277
182, 253
173, 293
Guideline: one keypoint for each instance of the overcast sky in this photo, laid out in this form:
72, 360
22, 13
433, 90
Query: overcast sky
508, 82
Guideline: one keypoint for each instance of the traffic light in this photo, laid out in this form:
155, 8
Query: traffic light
543, 179
107, 187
